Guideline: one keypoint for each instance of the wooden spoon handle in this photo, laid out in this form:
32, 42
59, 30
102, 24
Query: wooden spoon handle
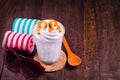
66, 44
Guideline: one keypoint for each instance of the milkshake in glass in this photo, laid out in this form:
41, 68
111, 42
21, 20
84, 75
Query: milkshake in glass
47, 35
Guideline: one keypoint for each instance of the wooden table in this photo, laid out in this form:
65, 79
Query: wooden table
92, 30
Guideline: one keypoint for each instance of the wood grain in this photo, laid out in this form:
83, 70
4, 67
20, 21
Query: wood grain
92, 28
91, 58
108, 23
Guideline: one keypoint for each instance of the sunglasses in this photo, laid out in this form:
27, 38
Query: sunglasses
17, 63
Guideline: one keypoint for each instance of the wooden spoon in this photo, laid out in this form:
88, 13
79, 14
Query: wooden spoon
73, 59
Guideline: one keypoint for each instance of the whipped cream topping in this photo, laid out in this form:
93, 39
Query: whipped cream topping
49, 29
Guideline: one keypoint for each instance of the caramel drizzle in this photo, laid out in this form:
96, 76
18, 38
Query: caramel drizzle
39, 26
56, 24
49, 25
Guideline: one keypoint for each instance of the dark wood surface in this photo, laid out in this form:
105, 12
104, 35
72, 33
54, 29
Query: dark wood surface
92, 30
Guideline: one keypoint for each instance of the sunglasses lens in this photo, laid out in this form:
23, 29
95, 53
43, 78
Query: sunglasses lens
11, 61
31, 69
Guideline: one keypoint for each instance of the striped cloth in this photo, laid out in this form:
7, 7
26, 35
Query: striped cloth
23, 25
18, 41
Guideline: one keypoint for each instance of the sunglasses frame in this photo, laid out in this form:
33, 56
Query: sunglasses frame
20, 59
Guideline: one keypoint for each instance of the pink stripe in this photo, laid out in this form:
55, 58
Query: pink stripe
17, 40
12, 40
6, 43
28, 43
21, 47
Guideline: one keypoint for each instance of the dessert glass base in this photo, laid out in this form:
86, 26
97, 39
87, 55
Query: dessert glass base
55, 66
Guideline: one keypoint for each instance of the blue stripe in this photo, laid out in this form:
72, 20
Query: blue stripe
36, 22
18, 27
13, 25
24, 25
28, 29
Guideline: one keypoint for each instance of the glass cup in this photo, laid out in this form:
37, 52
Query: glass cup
48, 49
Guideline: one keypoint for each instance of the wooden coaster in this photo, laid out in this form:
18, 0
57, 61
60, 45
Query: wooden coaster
56, 66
